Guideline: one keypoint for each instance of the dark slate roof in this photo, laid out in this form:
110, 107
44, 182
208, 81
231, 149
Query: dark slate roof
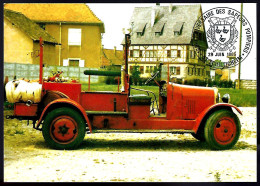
181, 15
33, 30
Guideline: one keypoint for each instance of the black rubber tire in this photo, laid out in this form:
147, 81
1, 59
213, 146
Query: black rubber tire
213, 124
60, 112
199, 135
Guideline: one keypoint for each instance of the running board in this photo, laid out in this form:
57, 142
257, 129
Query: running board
176, 131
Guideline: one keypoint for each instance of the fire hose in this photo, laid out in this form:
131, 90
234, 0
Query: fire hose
22, 91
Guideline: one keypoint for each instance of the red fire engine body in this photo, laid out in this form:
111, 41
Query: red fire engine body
66, 113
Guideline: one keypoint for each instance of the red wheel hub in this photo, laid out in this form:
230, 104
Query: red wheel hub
64, 129
225, 131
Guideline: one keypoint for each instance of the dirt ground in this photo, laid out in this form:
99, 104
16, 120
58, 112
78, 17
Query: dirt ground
129, 157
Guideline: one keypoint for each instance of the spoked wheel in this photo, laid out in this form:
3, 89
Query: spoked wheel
222, 130
64, 128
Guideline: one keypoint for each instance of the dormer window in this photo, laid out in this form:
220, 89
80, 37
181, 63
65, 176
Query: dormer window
177, 28
158, 33
176, 33
140, 29
139, 34
158, 29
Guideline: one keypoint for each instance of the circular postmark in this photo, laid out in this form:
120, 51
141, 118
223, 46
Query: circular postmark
216, 37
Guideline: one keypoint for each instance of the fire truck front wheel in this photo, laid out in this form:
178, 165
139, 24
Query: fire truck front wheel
63, 128
222, 130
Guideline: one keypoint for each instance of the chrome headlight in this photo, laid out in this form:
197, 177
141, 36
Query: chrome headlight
226, 98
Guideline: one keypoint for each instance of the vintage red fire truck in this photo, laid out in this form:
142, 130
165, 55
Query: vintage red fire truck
65, 113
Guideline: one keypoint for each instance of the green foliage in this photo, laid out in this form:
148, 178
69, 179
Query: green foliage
240, 97
111, 80
210, 83
135, 74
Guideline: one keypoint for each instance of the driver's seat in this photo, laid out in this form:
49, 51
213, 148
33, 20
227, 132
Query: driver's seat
139, 99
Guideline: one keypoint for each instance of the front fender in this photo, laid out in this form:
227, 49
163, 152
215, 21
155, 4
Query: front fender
64, 102
206, 112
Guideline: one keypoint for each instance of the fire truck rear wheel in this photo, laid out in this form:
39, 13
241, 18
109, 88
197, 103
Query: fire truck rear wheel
222, 130
63, 128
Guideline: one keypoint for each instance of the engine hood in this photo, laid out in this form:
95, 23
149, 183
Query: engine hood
187, 102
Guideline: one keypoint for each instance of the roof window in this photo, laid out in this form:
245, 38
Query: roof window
177, 28
158, 29
140, 29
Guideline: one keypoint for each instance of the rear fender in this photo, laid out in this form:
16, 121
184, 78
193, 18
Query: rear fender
64, 102
205, 114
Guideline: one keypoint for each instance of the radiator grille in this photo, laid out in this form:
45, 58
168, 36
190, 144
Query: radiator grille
191, 106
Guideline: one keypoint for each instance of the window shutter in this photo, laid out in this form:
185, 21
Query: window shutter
81, 63
131, 53
142, 69
140, 53
178, 53
178, 70
65, 62
168, 53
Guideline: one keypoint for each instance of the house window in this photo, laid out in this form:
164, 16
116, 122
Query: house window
199, 72
192, 56
147, 52
74, 36
176, 33
168, 53
74, 63
178, 53
139, 34
140, 53
131, 69
177, 28
155, 53
147, 69
178, 70
157, 33
189, 71
172, 69
150, 53
135, 53
142, 69
131, 53
151, 69
175, 53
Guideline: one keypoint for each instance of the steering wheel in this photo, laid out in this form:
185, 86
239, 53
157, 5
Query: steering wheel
151, 78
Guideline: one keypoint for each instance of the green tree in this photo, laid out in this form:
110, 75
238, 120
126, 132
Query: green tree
136, 74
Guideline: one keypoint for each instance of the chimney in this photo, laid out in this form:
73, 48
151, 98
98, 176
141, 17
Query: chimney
115, 50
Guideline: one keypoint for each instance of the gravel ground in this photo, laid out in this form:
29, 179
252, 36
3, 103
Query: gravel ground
129, 157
